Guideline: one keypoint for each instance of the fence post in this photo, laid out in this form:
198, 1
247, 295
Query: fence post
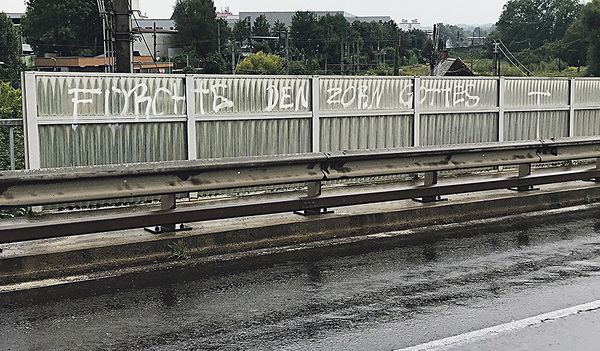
316, 120
571, 107
417, 111
190, 112
501, 107
30, 119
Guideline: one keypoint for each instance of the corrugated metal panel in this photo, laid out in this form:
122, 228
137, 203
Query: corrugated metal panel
109, 95
528, 92
536, 125
587, 92
459, 128
444, 93
253, 137
232, 95
360, 94
587, 123
96, 144
359, 133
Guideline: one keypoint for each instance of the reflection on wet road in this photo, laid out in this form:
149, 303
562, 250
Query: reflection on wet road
393, 295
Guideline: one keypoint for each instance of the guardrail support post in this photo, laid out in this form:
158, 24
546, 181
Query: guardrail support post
524, 171
314, 189
167, 203
431, 178
313, 192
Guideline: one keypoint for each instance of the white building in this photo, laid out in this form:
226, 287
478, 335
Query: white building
156, 34
406, 25
228, 16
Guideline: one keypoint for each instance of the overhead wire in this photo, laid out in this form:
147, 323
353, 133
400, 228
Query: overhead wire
143, 39
529, 73
511, 62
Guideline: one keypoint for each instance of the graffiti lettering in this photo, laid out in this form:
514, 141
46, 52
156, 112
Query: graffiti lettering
136, 98
458, 95
219, 101
406, 96
283, 98
140, 100
352, 94
539, 94
462, 95
77, 100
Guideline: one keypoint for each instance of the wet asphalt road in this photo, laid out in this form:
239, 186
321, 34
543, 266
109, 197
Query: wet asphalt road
389, 296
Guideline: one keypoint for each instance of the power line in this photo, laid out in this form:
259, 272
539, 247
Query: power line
505, 51
145, 42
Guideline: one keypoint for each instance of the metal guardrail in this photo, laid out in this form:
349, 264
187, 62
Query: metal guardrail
52, 186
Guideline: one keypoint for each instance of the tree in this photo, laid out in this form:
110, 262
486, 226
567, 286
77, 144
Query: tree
304, 30
590, 20
214, 64
570, 45
241, 31
453, 35
261, 63
261, 28
10, 108
10, 63
66, 27
196, 22
224, 33
532, 23
334, 31
278, 28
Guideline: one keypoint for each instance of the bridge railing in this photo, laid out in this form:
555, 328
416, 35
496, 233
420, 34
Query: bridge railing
8, 152
77, 119
89, 183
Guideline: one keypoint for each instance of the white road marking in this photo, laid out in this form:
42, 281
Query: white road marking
453, 341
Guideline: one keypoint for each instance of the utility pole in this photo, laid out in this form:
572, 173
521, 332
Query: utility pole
154, 37
219, 37
287, 52
232, 57
124, 53
342, 56
496, 58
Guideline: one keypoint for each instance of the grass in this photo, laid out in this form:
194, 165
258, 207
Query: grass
179, 250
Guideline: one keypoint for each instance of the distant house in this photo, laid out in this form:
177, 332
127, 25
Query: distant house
451, 67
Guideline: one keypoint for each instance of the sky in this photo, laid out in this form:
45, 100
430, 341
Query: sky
427, 12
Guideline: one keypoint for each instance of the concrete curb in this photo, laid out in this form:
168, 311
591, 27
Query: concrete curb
55, 258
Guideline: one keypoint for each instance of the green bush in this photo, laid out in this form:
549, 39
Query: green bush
261, 63
11, 108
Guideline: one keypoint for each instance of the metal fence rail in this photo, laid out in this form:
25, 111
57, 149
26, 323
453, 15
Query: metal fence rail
11, 124
50, 186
